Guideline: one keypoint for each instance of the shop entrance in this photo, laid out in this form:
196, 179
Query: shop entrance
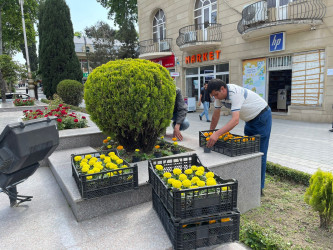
279, 90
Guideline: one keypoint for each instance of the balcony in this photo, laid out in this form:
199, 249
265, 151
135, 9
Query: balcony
150, 49
259, 19
198, 36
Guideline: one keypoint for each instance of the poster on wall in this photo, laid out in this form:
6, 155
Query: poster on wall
254, 75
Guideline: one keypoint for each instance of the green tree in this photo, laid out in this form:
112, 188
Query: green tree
104, 43
129, 38
57, 58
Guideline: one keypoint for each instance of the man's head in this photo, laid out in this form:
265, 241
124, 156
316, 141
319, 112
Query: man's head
218, 89
205, 85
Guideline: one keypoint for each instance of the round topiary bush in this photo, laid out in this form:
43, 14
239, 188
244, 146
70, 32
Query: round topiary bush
70, 91
131, 100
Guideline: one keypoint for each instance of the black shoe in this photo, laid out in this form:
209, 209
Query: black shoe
208, 120
262, 193
200, 117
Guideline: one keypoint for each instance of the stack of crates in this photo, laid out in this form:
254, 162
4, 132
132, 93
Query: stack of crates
195, 217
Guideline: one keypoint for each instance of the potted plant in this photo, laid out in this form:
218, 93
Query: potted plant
136, 157
206, 149
161, 141
175, 146
157, 151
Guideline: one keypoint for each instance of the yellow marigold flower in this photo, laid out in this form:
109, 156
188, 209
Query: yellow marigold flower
207, 139
174, 139
193, 186
109, 146
159, 167
221, 136
84, 160
91, 172
87, 157
109, 174
167, 175
137, 150
105, 141
177, 184
82, 164
120, 147
89, 177
123, 166
96, 170
206, 134
119, 161
186, 183
108, 138
210, 133
113, 166
194, 167
195, 179
210, 175
77, 158
157, 146
111, 153
114, 157
85, 169
107, 160
212, 221
94, 159
177, 171
182, 177
224, 188
175, 143
201, 168
162, 137
102, 156
108, 165
188, 171
211, 182
91, 162
199, 173
170, 180
201, 183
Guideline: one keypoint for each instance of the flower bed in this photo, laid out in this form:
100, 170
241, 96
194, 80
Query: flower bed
232, 144
65, 118
102, 173
24, 102
199, 232
187, 189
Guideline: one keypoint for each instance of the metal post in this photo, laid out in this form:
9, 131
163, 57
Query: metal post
30, 81
85, 48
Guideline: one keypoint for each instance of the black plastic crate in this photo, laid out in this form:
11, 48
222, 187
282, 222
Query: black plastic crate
189, 203
233, 147
101, 184
201, 231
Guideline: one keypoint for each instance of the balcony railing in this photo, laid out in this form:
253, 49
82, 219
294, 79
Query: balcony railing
205, 33
260, 13
151, 46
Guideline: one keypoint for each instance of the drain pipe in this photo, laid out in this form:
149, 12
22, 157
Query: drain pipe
331, 130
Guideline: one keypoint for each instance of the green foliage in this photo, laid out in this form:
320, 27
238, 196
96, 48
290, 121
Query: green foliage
259, 238
288, 173
70, 91
319, 195
129, 38
132, 100
57, 57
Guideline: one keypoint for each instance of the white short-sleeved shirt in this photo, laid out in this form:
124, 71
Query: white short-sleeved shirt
244, 100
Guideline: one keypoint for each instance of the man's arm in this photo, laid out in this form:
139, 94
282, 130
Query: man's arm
226, 128
199, 103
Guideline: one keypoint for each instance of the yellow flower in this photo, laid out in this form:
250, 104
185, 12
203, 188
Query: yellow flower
113, 166
119, 161
87, 157
224, 188
177, 184
209, 175
175, 143
186, 183
89, 177
193, 186
123, 166
182, 177
108, 138
159, 167
96, 170
85, 169
107, 160
114, 157
91, 162
195, 179
137, 150
201, 183
84, 160
91, 172
167, 175
162, 137
109, 174
177, 171
174, 139
206, 134
201, 168
194, 167
171, 180
82, 164
111, 153
157, 146
77, 158
120, 147
199, 173
211, 182
188, 171
109, 146
102, 156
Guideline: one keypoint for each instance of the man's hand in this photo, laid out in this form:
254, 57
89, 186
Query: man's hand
212, 140
176, 132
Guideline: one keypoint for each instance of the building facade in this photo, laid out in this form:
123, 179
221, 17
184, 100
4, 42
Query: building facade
281, 49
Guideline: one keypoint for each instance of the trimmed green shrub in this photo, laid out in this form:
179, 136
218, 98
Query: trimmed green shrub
131, 100
288, 173
319, 195
70, 91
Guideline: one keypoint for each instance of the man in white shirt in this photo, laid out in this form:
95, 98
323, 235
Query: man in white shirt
245, 105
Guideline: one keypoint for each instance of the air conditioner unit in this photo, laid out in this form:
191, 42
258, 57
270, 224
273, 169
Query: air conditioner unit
164, 46
190, 36
255, 13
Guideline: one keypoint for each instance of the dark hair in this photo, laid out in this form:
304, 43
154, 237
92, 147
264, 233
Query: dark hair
215, 84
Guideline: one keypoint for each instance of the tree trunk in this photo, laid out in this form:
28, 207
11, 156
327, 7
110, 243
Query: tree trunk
324, 222
3, 88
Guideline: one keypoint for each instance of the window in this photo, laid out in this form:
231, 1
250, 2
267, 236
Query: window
159, 29
205, 12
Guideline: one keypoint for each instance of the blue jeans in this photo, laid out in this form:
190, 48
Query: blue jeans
205, 112
183, 126
261, 126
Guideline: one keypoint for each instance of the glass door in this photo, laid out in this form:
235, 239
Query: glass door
282, 9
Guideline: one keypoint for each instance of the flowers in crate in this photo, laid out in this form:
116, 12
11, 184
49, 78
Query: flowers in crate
159, 169
175, 146
121, 150
157, 149
107, 143
137, 152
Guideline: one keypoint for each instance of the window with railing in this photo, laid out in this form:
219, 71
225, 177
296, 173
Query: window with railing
205, 12
159, 28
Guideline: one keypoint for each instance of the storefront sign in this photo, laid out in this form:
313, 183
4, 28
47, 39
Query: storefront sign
174, 74
207, 56
167, 61
254, 75
277, 42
